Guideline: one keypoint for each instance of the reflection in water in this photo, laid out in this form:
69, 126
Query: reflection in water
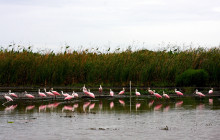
179, 104
158, 107
111, 104
200, 106
100, 105
76, 105
151, 103
138, 105
91, 106
30, 107
122, 102
210, 101
68, 108
10, 108
85, 105
167, 108
42, 108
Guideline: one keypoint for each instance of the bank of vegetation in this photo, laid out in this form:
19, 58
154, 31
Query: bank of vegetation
22, 67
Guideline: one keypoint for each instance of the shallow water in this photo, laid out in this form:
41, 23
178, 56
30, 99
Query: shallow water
112, 118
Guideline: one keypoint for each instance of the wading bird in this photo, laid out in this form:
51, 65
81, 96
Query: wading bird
165, 95
199, 93
178, 92
12, 94
69, 97
137, 93
65, 94
150, 91
8, 98
157, 95
28, 95
91, 94
75, 94
55, 92
211, 91
100, 89
122, 92
48, 93
41, 94
111, 92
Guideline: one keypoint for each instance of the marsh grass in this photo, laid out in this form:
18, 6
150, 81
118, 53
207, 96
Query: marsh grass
143, 67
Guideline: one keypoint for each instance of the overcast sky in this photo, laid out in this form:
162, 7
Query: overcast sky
103, 23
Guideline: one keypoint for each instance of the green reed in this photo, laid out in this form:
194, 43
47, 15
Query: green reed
142, 67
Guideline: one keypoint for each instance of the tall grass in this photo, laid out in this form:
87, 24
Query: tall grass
143, 67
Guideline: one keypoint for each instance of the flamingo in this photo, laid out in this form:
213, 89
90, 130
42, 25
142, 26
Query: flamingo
150, 91
165, 95
41, 94
91, 94
137, 93
111, 92
138, 105
48, 93
55, 92
178, 92
84, 88
12, 94
179, 104
91, 106
158, 107
29, 95
65, 94
85, 105
157, 95
75, 94
69, 108
122, 102
199, 93
100, 89
122, 92
211, 91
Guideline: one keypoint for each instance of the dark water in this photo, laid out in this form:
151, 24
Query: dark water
112, 118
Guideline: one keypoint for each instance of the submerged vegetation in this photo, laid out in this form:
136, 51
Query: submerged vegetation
142, 67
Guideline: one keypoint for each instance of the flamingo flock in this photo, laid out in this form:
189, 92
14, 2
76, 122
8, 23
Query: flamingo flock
52, 93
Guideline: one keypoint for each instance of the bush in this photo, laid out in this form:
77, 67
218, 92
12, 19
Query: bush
192, 77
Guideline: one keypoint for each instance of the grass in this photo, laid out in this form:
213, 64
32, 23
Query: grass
20, 67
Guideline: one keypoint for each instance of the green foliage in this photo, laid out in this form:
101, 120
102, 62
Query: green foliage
192, 77
20, 66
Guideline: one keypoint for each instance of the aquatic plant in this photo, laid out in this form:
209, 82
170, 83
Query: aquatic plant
22, 66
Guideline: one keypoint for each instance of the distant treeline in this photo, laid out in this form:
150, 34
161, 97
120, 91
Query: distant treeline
70, 68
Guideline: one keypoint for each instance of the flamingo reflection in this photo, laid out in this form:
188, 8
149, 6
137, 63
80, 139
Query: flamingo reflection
30, 107
76, 105
10, 108
91, 106
68, 108
42, 107
85, 105
167, 108
200, 106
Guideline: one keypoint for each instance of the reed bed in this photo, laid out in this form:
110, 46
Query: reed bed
24, 67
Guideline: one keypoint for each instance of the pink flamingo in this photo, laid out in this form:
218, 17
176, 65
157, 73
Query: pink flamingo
100, 89
12, 94
30, 107
55, 92
91, 94
211, 91
29, 95
41, 94
42, 107
75, 94
122, 92
137, 93
85, 105
111, 93
11, 108
111, 105
157, 95
8, 98
178, 92
150, 91
64, 94
91, 106
48, 93
165, 95
199, 93
69, 108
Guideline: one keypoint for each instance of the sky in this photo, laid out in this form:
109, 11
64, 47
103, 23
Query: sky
149, 24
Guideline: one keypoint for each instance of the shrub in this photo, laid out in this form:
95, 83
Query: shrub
192, 77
